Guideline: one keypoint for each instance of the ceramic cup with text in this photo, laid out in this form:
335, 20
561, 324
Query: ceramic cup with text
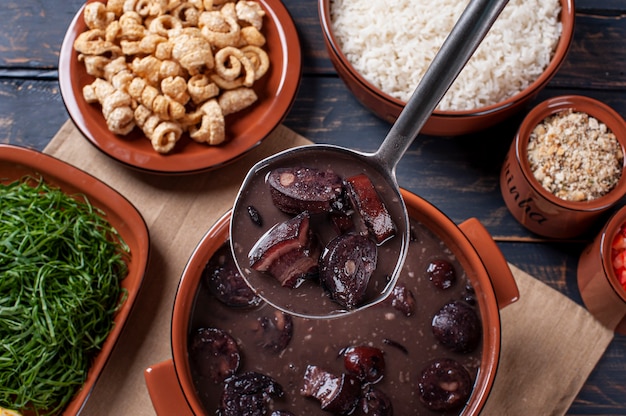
536, 207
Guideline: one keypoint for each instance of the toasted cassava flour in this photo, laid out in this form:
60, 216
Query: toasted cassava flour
391, 44
575, 156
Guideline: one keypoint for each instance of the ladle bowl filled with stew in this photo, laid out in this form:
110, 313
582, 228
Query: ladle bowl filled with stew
349, 260
319, 210
233, 352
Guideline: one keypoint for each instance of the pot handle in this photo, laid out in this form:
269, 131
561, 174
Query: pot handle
498, 269
165, 392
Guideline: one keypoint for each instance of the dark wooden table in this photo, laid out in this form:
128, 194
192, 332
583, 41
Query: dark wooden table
459, 175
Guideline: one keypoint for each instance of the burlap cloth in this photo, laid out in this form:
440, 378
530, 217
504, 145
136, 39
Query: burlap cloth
549, 345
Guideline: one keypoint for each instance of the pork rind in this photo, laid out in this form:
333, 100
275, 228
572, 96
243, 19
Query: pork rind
170, 67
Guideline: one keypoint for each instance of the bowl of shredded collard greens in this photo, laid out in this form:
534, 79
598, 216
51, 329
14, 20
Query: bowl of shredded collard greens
70, 267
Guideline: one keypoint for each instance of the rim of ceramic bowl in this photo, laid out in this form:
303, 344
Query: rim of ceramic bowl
608, 233
594, 108
567, 16
421, 210
183, 306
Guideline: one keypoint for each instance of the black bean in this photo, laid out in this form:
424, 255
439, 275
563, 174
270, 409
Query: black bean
255, 216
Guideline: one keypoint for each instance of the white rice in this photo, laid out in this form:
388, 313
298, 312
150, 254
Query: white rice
392, 42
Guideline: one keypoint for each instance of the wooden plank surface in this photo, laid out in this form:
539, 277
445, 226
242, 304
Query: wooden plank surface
459, 175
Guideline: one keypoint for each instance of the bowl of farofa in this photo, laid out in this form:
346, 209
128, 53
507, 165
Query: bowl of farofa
381, 53
565, 167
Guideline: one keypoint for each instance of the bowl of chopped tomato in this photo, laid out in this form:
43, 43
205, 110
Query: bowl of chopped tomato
602, 273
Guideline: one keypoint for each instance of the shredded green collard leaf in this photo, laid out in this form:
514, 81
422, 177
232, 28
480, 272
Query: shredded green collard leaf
61, 263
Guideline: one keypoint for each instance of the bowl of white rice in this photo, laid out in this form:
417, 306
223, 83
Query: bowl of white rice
381, 50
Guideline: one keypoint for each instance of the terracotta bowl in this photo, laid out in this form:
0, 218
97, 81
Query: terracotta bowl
17, 162
444, 123
602, 292
533, 205
170, 384
244, 129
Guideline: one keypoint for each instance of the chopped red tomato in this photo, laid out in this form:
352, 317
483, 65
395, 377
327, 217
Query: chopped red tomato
619, 255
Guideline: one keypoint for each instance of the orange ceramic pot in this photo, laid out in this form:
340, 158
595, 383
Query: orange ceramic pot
170, 384
602, 293
534, 206
444, 123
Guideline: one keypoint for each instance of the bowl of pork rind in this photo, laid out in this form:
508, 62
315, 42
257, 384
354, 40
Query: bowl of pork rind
381, 51
179, 86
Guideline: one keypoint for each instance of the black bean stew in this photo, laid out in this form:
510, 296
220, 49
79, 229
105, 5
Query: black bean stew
418, 353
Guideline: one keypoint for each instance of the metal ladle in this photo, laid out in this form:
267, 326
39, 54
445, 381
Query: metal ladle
312, 302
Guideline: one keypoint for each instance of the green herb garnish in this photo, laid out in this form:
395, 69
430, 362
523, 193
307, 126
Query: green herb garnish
61, 264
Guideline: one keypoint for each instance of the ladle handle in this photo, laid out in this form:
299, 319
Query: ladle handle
466, 35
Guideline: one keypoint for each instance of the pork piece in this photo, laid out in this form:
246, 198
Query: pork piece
215, 354
248, 394
369, 205
225, 282
273, 332
292, 268
376, 403
346, 266
365, 362
342, 222
402, 299
297, 189
441, 273
444, 385
288, 251
457, 326
336, 394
